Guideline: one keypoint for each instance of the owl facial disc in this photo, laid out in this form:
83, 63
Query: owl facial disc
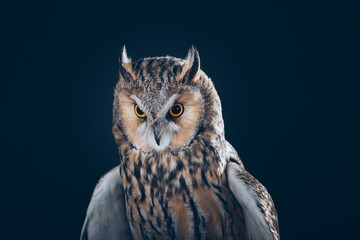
157, 130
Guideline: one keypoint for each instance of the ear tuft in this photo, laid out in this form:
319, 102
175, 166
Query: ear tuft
126, 71
124, 58
194, 57
191, 68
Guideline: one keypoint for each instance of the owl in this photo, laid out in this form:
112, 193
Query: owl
178, 177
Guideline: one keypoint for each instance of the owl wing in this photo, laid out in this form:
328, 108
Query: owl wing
259, 211
106, 215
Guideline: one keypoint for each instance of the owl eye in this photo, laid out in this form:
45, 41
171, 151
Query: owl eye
140, 113
176, 110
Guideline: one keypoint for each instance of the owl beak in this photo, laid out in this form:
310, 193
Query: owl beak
157, 133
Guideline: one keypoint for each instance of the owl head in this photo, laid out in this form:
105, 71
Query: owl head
164, 103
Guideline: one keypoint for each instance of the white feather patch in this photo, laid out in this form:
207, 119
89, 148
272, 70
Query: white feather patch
106, 215
256, 226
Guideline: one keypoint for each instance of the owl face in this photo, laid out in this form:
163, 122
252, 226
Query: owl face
155, 103
173, 125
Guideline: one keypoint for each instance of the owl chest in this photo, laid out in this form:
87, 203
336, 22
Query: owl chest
168, 212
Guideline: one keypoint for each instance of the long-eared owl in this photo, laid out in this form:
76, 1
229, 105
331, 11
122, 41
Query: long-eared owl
178, 177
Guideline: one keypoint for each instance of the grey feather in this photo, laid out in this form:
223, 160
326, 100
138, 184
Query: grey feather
106, 216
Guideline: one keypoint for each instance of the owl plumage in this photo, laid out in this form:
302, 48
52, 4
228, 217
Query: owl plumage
178, 177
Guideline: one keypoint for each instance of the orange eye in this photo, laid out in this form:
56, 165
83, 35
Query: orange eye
140, 113
176, 110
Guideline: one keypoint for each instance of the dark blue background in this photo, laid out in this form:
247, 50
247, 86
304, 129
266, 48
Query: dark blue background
287, 75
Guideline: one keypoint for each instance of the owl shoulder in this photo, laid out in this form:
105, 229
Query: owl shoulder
257, 204
106, 215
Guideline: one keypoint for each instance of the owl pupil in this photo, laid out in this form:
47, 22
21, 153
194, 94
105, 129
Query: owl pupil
140, 112
176, 109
